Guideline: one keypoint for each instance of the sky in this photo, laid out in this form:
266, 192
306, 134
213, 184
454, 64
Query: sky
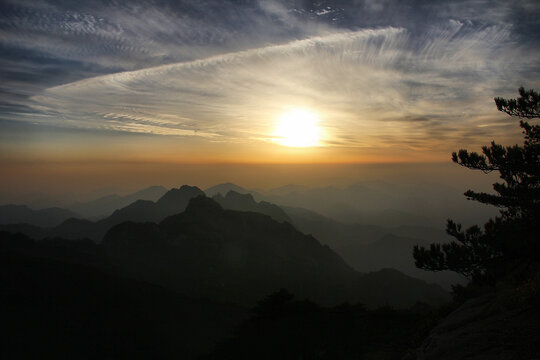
161, 92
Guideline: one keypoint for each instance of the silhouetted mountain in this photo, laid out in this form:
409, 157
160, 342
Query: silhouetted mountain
395, 252
231, 248
337, 234
84, 252
78, 229
227, 255
331, 232
19, 214
382, 203
105, 205
38, 200
371, 248
172, 202
32, 231
245, 202
176, 200
56, 301
365, 247
72, 228
224, 189
140, 210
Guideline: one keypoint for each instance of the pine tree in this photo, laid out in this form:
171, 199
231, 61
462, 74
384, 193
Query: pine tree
512, 239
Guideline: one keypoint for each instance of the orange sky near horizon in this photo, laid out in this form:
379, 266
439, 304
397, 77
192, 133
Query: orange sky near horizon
79, 178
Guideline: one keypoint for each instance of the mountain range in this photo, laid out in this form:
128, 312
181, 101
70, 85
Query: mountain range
189, 243
106, 205
225, 188
378, 203
48, 217
245, 202
172, 202
233, 256
364, 247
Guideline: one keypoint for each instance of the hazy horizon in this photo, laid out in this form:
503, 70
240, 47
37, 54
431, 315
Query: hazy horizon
120, 178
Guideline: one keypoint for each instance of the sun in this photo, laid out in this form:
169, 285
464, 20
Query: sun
298, 128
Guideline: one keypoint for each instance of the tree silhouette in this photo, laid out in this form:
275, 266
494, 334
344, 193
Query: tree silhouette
508, 241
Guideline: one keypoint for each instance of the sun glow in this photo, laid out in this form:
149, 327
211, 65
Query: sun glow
298, 128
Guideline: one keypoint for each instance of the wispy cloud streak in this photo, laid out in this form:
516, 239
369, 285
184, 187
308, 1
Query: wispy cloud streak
373, 84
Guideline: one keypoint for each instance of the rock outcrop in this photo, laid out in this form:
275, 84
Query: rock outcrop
504, 325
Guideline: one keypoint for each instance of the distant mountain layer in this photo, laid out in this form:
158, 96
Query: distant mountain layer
105, 206
224, 189
371, 248
245, 202
380, 203
233, 256
172, 202
365, 247
395, 252
18, 214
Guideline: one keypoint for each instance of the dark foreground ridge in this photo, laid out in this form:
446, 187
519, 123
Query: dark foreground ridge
60, 300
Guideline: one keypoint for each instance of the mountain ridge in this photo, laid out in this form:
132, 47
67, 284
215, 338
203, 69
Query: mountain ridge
174, 201
48, 217
246, 202
106, 205
226, 255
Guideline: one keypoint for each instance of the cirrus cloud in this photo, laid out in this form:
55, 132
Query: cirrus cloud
369, 86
